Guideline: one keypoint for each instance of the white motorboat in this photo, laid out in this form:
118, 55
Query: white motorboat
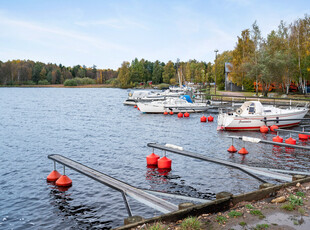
175, 105
150, 95
251, 114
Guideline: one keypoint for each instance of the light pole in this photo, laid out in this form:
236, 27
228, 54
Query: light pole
215, 69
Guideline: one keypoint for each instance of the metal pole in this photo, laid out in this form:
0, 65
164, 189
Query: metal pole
54, 165
64, 170
126, 204
215, 69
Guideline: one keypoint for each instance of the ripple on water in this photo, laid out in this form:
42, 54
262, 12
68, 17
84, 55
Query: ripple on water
93, 127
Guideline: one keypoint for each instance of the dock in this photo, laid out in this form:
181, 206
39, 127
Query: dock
252, 171
126, 189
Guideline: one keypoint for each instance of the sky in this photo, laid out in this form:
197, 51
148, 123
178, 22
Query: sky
106, 33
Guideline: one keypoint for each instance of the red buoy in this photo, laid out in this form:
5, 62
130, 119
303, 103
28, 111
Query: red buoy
232, 149
273, 127
210, 118
138, 108
165, 113
290, 141
303, 136
243, 151
135, 106
64, 181
186, 114
264, 129
53, 176
277, 139
152, 159
203, 119
180, 115
171, 113
164, 163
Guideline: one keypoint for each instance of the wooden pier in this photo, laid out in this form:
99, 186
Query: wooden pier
126, 189
252, 171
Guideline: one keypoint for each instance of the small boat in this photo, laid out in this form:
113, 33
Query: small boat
176, 105
150, 95
251, 116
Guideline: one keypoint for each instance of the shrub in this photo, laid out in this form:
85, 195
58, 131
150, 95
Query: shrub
44, 82
70, 82
163, 85
295, 200
190, 223
29, 82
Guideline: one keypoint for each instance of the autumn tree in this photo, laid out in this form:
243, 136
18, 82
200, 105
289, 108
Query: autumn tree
169, 73
124, 74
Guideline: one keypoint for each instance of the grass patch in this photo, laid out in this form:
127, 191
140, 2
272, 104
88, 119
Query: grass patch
157, 226
302, 211
234, 213
191, 223
288, 207
243, 224
261, 226
257, 213
249, 206
221, 219
301, 194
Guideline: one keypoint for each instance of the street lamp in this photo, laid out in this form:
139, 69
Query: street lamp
215, 69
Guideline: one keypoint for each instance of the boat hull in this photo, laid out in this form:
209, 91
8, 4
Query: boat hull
153, 108
226, 122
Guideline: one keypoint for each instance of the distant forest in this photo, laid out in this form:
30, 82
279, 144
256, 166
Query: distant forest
22, 72
258, 63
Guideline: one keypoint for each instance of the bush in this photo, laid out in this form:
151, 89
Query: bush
163, 85
70, 82
29, 83
44, 82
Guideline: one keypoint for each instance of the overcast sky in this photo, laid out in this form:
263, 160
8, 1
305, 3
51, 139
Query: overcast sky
106, 33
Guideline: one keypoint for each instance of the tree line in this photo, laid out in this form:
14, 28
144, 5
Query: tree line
143, 71
27, 72
278, 60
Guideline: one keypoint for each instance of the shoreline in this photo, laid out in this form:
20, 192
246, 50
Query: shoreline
267, 213
59, 86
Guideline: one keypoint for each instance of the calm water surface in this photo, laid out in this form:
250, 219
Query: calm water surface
93, 127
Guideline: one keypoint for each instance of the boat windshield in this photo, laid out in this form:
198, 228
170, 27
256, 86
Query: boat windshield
252, 108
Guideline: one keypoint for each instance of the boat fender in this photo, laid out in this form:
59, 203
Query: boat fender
251, 139
174, 146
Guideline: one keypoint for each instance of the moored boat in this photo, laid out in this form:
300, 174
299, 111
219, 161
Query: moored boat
176, 105
251, 116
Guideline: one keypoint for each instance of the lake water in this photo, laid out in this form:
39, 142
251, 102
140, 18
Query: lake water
93, 127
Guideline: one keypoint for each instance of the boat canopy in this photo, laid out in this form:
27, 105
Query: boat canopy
251, 107
187, 98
